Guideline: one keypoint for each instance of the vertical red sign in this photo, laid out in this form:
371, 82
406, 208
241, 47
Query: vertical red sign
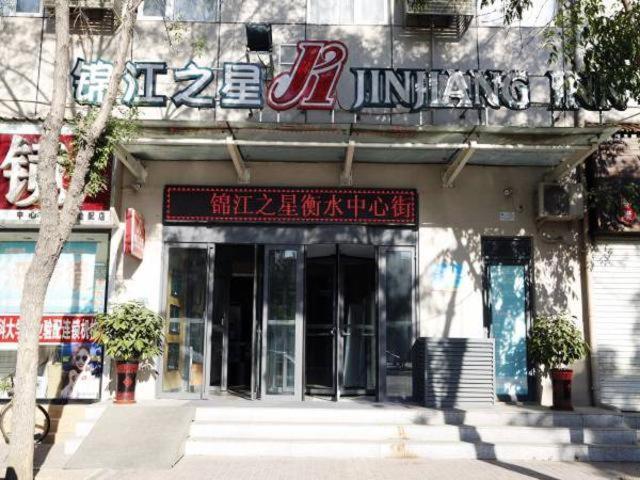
134, 234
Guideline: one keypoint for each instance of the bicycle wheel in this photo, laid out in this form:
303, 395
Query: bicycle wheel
5, 421
42, 423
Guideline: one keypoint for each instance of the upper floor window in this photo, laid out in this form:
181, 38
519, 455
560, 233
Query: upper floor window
540, 13
181, 10
20, 7
347, 12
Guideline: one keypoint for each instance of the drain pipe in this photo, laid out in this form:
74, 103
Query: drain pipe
586, 260
585, 253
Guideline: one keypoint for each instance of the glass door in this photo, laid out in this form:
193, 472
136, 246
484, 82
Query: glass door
183, 372
282, 323
507, 313
396, 304
508, 326
320, 320
357, 318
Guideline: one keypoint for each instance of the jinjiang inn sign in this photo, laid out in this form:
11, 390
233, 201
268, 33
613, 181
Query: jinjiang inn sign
310, 84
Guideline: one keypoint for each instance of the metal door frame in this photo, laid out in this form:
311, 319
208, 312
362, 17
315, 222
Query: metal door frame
298, 394
210, 251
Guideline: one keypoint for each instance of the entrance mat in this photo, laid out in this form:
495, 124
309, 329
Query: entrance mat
135, 436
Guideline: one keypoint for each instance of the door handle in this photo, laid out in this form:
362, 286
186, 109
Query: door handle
345, 332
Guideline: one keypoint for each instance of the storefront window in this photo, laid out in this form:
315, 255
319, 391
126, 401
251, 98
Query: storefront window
70, 364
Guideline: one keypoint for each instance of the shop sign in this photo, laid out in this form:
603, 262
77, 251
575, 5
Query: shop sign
275, 205
134, 234
19, 192
86, 218
53, 328
310, 84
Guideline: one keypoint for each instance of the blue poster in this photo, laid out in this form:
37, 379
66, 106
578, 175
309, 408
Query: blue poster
72, 287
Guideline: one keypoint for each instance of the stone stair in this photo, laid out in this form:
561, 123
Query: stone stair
395, 432
68, 421
70, 424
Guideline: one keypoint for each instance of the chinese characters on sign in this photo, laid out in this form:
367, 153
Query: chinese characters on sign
20, 167
310, 84
53, 329
241, 84
19, 192
195, 204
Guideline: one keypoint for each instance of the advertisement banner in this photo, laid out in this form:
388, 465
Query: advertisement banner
53, 328
71, 290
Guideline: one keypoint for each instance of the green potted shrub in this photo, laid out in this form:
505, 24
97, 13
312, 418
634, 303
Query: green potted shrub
130, 333
556, 342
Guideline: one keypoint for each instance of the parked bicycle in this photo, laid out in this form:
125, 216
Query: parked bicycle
42, 420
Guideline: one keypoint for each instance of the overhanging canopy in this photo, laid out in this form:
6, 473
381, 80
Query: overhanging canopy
554, 147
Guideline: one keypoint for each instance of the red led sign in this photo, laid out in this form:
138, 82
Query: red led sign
359, 206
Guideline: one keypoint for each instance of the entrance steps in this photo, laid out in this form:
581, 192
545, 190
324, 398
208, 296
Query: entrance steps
500, 433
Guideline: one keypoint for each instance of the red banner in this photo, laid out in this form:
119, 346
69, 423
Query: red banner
18, 167
53, 328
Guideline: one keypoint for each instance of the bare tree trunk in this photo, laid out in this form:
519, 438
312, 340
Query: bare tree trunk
20, 462
55, 227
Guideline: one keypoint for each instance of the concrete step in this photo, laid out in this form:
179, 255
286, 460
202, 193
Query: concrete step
408, 416
82, 427
411, 449
464, 433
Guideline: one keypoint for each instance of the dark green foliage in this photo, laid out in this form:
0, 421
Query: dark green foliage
555, 342
605, 35
130, 332
119, 130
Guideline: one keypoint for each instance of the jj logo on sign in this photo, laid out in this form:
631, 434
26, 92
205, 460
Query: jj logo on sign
311, 82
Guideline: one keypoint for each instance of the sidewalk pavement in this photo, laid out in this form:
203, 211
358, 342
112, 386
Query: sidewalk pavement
210, 468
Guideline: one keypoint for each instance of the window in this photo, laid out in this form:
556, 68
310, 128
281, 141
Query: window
70, 364
181, 10
20, 7
540, 14
347, 12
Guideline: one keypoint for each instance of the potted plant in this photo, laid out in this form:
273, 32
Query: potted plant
556, 342
130, 334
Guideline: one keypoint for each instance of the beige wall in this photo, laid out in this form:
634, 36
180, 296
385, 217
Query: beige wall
452, 222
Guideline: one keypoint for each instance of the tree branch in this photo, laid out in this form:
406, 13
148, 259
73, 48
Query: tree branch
83, 157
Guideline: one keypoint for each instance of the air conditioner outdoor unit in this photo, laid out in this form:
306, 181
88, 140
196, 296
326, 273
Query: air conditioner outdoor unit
113, 5
560, 203
444, 19
95, 17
